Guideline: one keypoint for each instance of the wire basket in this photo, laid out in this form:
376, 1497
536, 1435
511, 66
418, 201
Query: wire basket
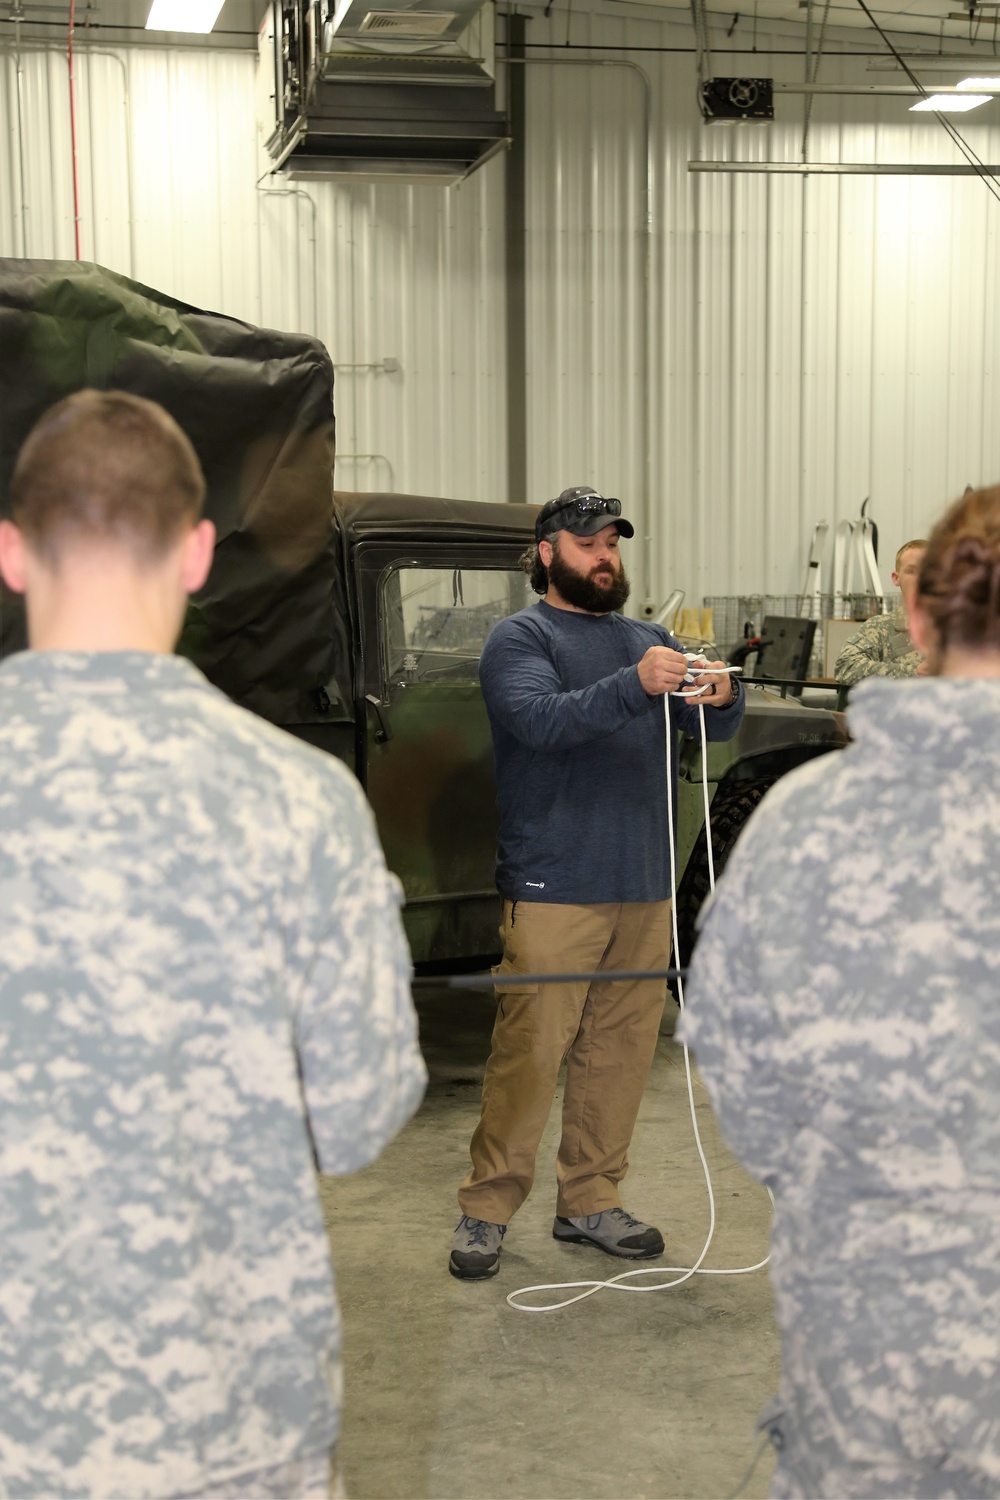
725, 620
733, 618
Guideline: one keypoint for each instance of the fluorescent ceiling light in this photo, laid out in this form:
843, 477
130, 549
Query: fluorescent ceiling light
980, 83
183, 15
944, 104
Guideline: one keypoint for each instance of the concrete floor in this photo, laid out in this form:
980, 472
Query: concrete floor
452, 1394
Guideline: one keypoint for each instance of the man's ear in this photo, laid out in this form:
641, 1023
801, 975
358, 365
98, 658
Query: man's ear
196, 558
920, 628
12, 556
895, 579
545, 556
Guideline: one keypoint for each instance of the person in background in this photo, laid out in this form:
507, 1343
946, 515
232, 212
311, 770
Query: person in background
843, 1008
575, 693
883, 646
204, 997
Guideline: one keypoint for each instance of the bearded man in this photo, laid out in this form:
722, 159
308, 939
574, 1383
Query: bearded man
575, 693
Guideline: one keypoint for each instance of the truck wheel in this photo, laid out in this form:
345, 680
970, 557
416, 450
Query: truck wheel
730, 809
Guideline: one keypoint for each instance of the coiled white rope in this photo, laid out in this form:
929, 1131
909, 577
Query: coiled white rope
626, 1281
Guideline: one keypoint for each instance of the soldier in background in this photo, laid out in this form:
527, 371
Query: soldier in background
882, 647
843, 1008
204, 995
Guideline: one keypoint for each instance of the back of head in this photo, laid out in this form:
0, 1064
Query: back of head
959, 584
105, 467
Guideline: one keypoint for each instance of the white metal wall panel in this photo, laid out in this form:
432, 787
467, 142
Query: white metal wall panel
416, 275
589, 309
810, 342
169, 163
815, 341
780, 493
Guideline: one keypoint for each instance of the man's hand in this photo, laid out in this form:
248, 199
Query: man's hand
721, 692
662, 670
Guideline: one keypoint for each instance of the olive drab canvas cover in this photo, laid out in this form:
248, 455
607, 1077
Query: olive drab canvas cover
270, 626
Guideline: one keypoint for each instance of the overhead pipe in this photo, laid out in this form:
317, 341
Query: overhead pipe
812, 73
846, 169
288, 192
86, 50
866, 88
699, 20
19, 94
72, 128
371, 458
515, 258
127, 104
647, 258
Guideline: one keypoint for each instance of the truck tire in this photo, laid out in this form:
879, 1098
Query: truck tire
730, 809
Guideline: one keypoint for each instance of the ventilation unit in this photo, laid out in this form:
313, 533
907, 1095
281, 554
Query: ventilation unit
400, 23
402, 91
726, 101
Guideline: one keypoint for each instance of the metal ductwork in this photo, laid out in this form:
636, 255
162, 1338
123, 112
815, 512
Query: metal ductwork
379, 88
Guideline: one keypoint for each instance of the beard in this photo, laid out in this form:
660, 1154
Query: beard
602, 589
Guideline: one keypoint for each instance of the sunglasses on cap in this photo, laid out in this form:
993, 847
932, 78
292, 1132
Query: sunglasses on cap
583, 511
589, 505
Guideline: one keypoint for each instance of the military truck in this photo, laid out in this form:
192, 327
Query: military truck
425, 581
354, 621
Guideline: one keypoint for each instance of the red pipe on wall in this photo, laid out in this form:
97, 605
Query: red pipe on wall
72, 130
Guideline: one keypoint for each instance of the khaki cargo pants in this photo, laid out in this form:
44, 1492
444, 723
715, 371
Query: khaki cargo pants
607, 1034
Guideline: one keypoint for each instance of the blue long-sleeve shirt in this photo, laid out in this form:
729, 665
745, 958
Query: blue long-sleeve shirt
581, 756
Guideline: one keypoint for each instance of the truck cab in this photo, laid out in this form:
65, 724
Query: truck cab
425, 580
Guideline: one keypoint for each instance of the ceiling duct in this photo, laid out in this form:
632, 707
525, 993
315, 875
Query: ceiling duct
412, 24
405, 90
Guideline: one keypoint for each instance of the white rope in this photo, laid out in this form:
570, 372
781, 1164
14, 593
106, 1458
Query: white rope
623, 1282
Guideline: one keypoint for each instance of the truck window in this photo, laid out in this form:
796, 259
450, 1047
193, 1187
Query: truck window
435, 620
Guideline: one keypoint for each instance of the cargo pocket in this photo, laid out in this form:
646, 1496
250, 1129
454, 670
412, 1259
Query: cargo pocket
513, 1030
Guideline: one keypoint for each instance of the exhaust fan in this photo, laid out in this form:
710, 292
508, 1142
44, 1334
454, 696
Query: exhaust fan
726, 101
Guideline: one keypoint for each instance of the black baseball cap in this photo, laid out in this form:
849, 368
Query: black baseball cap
583, 511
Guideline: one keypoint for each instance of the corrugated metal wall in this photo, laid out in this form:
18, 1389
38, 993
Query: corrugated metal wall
406, 273
813, 341
797, 345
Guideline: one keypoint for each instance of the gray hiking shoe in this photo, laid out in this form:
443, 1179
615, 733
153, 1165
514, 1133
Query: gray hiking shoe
613, 1231
475, 1252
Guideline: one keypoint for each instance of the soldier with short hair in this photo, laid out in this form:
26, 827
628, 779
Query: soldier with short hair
843, 1008
882, 647
204, 996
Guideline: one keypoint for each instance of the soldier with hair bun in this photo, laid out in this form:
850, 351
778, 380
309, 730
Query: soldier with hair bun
844, 1009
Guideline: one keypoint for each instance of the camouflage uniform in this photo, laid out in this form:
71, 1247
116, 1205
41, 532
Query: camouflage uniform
881, 648
203, 995
844, 1009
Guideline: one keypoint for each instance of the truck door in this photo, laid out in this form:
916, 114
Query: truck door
427, 754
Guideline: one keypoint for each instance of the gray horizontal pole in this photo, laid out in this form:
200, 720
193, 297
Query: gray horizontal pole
490, 981
879, 88
845, 169
929, 62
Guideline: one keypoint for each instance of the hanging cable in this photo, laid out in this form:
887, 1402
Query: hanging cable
946, 125
812, 73
703, 70
72, 128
